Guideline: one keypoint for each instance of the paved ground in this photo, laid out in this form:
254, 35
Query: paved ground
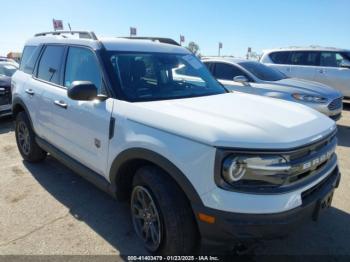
47, 209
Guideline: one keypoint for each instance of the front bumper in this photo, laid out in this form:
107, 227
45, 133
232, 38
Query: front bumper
232, 228
332, 109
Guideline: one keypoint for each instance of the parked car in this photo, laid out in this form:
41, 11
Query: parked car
256, 78
196, 162
7, 69
330, 66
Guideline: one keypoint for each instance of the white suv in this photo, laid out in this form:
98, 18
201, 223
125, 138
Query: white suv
330, 66
195, 161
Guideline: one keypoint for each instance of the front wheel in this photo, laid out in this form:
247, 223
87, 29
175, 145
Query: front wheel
161, 214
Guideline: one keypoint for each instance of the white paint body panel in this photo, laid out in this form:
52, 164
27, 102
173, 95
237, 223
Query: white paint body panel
185, 131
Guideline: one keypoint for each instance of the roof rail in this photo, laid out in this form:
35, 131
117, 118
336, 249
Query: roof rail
82, 34
159, 39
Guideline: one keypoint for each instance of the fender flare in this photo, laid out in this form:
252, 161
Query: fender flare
150, 156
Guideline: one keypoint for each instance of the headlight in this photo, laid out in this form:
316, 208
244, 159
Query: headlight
310, 98
254, 171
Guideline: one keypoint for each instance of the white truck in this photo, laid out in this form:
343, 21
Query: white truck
197, 163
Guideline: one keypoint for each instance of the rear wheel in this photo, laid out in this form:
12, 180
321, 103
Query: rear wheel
161, 214
25, 138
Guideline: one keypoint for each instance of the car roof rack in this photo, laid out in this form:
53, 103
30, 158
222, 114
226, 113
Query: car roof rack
159, 39
82, 34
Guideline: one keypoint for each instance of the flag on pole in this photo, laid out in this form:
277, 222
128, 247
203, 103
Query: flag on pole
133, 31
57, 24
182, 38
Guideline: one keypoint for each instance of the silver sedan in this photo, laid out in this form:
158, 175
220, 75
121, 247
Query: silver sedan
256, 78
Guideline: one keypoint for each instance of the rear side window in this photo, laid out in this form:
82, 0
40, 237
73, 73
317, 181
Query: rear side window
280, 57
50, 64
82, 65
227, 72
304, 58
28, 59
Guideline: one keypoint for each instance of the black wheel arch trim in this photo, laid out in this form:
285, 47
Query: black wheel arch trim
160, 161
16, 101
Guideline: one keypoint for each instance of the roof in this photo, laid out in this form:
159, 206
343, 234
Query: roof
226, 59
307, 48
118, 44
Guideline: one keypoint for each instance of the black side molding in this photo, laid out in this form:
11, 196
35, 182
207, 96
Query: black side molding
111, 127
94, 178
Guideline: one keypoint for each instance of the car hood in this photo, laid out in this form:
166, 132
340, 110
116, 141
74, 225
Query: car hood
294, 85
234, 120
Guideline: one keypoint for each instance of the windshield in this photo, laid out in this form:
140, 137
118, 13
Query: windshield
158, 76
262, 71
7, 69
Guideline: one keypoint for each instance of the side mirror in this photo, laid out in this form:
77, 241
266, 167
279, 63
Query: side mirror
345, 64
241, 79
82, 90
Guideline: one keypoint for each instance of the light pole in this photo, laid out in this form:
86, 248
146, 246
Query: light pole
220, 47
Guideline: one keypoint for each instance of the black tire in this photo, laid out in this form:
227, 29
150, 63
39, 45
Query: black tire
25, 138
178, 229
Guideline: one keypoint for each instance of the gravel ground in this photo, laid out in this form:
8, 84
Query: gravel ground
47, 210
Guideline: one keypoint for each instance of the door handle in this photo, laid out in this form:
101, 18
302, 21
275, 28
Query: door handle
60, 104
321, 71
30, 92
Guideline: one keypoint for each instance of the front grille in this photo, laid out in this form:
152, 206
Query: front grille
6, 98
311, 161
336, 104
313, 190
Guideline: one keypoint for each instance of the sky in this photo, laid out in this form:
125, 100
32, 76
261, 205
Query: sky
238, 24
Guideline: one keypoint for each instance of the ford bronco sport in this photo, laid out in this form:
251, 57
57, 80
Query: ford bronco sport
196, 162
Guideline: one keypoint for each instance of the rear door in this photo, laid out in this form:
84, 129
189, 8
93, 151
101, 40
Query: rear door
303, 64
331, 73
46, 82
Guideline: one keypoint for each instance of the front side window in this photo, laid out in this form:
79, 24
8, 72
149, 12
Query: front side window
331, 59
262, 71
159, 76
7, 69
50, 64
82, 65
227, 72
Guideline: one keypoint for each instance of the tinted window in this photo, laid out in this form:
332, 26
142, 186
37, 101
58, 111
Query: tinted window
7, 69
157, 76
304, 58
26, 55
280, 57
262, 72
227, 72
331, 59
50, 64
82, 65
210, 66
